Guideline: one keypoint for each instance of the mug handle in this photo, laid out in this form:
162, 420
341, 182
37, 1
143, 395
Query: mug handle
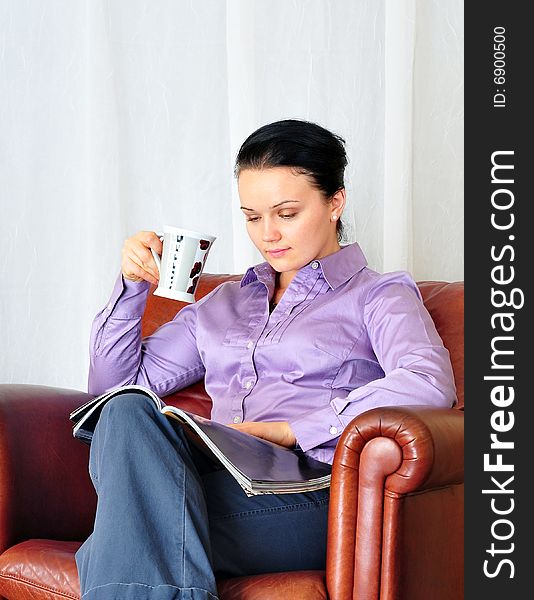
156, 256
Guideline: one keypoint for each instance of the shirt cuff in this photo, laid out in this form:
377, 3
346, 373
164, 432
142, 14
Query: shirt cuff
317, 428
132, 295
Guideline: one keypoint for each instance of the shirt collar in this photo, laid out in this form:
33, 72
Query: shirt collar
337, 268
340, 266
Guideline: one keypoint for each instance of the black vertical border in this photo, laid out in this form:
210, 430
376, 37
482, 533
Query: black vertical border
491, 127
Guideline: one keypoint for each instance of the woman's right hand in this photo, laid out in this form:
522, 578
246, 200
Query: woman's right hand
137, 261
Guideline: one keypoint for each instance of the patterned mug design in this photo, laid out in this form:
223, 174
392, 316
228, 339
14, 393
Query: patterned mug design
197, 267
183, 259
191, 288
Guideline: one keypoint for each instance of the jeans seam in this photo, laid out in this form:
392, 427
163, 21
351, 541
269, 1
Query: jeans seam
272, 509
94, 478
149, 586
184, 521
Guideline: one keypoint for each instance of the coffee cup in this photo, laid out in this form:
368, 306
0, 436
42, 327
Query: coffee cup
182, 262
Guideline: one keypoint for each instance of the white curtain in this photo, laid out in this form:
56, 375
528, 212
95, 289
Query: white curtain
121, 115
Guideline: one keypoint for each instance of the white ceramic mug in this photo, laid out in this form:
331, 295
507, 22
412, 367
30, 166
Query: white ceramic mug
182, 262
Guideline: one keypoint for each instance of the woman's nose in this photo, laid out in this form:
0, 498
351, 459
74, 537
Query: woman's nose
270, 232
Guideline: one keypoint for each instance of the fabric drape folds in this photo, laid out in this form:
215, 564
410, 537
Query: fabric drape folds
127, 115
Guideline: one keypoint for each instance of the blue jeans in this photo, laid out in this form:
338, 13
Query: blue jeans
168, 522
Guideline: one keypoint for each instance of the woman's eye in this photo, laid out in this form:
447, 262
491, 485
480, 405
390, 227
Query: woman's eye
288, 215
252, 219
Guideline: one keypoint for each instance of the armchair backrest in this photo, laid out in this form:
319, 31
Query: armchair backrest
444, 301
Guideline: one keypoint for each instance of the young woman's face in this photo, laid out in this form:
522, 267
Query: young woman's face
287, 218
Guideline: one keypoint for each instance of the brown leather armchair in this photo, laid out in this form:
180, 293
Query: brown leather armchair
396, 510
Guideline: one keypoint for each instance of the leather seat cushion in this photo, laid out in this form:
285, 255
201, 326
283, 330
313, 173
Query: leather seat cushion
40, 570
46, 570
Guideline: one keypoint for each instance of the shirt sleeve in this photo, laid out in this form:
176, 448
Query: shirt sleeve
166, 361
417, 367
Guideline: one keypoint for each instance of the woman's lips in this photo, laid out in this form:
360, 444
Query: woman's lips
277, 253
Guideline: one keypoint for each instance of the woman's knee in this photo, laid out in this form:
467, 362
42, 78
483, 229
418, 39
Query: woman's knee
127, 408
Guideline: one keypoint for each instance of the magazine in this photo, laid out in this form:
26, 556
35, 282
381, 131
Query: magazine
259, 466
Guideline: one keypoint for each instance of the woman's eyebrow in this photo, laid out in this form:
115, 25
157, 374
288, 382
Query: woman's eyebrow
271, 207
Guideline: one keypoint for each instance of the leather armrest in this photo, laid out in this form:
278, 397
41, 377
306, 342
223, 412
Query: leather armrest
384, 457
45, 489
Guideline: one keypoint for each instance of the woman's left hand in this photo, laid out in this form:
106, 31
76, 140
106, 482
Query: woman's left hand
279, 432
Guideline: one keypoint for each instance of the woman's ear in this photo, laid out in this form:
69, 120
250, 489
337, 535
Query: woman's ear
338, 201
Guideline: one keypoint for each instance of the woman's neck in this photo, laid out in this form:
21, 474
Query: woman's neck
283, 279
280, 286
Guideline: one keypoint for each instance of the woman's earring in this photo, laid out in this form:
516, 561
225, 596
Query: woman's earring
334, 217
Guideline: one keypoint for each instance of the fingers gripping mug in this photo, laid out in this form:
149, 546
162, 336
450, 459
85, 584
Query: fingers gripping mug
181, 263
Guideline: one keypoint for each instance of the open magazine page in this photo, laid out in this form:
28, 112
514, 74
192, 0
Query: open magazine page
258, 464
85, 417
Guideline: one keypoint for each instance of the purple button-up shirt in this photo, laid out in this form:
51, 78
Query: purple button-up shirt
343, 339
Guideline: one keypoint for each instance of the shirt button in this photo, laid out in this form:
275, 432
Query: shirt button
248, 385
250, 344
333, 430
237, 419
315, 265
110, 306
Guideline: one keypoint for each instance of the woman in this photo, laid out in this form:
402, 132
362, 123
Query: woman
292, 353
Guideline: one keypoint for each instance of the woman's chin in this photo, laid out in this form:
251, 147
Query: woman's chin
278, 264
